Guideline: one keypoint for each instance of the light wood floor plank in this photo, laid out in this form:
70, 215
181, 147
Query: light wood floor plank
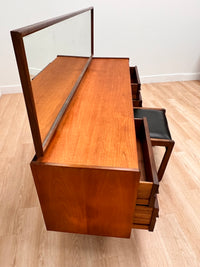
175, 241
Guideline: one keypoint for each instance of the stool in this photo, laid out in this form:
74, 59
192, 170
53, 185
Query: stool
159, 132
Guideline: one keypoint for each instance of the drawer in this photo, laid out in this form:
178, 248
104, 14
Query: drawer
137, 102
145, 217
135, 95
135, 80
146, 209
149, 184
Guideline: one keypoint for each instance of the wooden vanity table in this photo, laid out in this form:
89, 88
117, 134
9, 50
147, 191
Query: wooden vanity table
94, 169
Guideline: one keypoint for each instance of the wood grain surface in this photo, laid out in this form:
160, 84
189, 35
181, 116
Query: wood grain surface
98, 128
95, 189
86, 200
52, 86
24, 240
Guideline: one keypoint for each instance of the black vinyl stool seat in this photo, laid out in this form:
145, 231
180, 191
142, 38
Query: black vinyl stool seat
157, 122
159, 132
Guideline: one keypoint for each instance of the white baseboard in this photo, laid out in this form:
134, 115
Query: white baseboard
170, 77
10, 89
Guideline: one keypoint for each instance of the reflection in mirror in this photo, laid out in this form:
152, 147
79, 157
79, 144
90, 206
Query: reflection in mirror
71, 37
56, 58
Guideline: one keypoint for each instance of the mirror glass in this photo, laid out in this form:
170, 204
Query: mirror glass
57, 56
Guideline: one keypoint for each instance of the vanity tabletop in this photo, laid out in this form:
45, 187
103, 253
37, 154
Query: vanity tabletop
98, 127
52, 86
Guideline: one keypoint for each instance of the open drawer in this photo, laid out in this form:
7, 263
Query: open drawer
146, 209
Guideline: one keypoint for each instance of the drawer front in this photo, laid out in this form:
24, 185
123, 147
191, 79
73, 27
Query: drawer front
148, 186
135, 93
142, 215
146, 193
137, 102
135, 78
135, 82
135, 87
146, 209
145, 217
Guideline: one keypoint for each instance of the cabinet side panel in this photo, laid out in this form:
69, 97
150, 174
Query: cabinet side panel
86, 200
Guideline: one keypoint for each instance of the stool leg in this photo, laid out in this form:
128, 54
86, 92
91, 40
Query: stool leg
168, 144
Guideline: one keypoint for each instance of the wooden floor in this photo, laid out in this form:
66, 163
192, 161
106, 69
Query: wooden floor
175, 241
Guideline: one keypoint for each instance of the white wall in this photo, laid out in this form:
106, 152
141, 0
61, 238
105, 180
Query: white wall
161, 37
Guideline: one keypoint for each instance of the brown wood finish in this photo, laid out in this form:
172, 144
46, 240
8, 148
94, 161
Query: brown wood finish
92, 31
144, 192
135, 87
18, 44
142, 215
65, 105
135, 79
87, 179
146, 209
86, 200
167, 143
137, 102
145, 216
27, 90
52, 86
149, 184
49, 22
95, 109
154, 216
98, 129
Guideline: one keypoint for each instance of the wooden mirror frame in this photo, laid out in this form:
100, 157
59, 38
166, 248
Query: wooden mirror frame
18, 44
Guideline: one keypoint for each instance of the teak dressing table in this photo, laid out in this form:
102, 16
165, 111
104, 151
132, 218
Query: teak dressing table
94, 169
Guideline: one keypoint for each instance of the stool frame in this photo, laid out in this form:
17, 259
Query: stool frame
167, 143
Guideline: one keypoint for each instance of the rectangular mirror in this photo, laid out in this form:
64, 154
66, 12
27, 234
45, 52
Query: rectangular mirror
52, 58
71, 37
